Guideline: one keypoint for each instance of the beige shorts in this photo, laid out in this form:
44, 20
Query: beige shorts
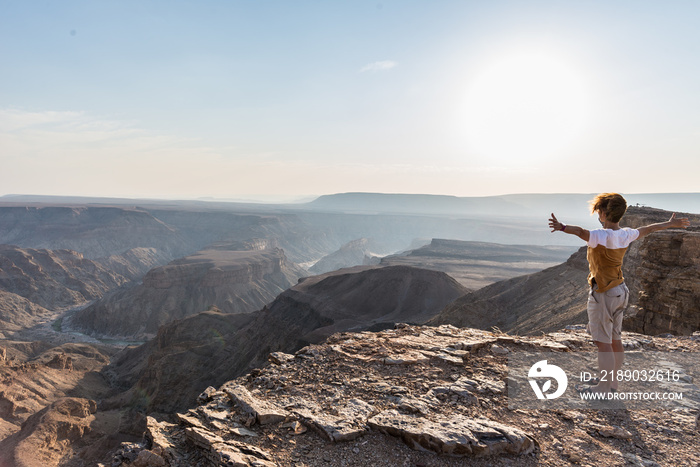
605, 313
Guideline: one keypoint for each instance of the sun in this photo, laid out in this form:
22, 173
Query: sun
525, 107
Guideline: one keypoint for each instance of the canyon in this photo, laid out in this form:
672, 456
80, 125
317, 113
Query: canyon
120, 319
168, 372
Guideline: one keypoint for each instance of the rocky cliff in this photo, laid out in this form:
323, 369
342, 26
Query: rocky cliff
34, 374
135, 262
18, 313
38, 425
54, 279
94, 231
168, 372
52, 434
412, 396
100, 232
663, 273
232, 281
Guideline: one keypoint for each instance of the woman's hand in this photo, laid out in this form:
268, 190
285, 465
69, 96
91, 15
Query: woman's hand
554, 224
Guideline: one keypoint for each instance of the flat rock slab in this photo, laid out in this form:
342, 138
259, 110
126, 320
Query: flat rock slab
349, 423
356, 409
551, 345
332, 427
224, 454
227, 453
472, 345
458, 436
189, 420
263, 411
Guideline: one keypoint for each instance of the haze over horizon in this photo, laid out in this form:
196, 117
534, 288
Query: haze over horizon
277, 100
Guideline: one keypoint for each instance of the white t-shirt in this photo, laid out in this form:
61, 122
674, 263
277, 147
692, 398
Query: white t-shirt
606, 249
612, 239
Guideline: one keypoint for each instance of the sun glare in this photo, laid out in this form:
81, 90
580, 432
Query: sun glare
525, 107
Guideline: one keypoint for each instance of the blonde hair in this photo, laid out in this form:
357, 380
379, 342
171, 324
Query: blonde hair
613, 205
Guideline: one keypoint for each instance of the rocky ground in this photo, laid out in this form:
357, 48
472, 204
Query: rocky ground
47, 403
412, 396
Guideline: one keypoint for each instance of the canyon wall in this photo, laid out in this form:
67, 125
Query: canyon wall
232, 281
662, 271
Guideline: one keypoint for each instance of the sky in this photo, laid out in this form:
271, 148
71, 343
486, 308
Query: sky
280, 100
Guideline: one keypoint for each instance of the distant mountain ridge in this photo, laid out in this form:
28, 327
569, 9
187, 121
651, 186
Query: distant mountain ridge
573, 205
409, 203
523, 204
